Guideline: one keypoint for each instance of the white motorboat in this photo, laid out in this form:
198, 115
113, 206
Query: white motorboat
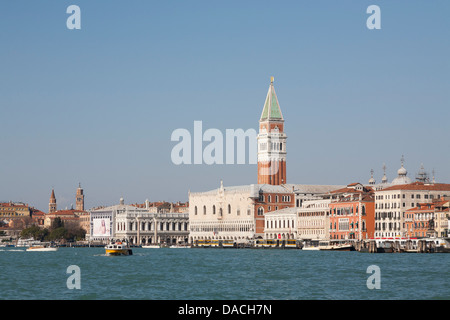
336, 246
311, 248
41, 249
311, 245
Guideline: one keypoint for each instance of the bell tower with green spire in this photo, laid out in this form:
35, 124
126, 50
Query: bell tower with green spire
271, 142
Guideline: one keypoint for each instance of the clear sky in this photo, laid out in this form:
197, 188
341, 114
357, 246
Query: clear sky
97, 106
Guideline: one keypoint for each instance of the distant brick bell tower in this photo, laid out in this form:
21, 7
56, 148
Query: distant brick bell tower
52, 203
79, 199
271, 142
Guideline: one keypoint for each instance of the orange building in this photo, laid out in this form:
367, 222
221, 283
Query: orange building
423, 220
352, 213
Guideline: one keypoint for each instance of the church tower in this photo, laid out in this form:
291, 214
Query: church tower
52, 203
271, 142
80, 199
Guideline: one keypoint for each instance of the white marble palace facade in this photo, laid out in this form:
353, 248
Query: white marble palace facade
139, 226
223, 213
142, 228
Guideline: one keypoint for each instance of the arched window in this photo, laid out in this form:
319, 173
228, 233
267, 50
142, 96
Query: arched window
260, 211
214, 209
195, 210
204, 209
229, 208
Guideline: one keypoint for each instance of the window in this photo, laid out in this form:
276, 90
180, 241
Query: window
260, 211
229, 209
204, 209
343, 224
214, 210
195, 210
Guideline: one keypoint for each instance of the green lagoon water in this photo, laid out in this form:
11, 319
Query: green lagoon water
221, 274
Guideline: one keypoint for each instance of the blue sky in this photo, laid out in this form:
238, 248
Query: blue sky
98, 105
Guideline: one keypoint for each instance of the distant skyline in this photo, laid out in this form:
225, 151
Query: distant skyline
97, 106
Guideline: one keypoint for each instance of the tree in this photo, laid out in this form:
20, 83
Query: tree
34, 232
58, 234
57, 223
75, 233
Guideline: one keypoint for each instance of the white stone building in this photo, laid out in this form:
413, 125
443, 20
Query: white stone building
138, 225
391, 204
224, 213
305, 192
281, 224
142, 228
313, 220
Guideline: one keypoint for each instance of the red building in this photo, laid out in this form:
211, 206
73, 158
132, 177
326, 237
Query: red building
352, 213
271, 198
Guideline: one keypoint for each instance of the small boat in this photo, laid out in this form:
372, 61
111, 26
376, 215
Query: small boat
151, 246
339, 247
311, 245
335, 246
311, 248
118, 249
42, 248
179, 246
228, 244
